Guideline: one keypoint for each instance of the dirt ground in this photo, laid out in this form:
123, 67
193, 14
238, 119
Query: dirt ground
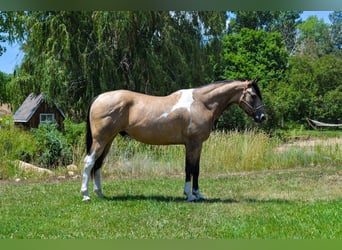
311, 143
5, 110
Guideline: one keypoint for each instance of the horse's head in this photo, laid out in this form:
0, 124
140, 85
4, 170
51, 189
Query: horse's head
251, 101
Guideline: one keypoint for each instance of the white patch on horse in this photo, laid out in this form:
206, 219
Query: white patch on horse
184, 102
89, 160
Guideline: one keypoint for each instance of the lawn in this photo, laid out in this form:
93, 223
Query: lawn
299, 203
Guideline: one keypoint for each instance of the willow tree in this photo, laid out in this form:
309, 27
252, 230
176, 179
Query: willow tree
73, 56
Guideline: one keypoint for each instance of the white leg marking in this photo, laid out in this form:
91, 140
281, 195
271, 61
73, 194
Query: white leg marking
89, 162
187, 192
197, 194
97, 183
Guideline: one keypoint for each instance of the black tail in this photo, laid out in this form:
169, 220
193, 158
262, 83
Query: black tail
89, 142
89, 138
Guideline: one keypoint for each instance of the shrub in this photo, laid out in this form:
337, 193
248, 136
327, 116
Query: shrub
15, 144
74, 133
53, 149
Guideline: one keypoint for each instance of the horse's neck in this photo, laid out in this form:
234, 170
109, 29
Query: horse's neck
219, 97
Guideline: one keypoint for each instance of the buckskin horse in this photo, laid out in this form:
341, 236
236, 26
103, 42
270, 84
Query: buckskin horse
184, 117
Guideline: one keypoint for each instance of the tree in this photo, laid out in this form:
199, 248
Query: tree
252, 54
11, 29
312, 89
4, 96
336, 28
284, 22
74, 56
313, 38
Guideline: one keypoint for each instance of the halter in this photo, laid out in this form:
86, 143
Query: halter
251, 110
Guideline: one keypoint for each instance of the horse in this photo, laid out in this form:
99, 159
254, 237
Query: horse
185, 117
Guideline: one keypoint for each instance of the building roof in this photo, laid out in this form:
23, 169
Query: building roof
29, 107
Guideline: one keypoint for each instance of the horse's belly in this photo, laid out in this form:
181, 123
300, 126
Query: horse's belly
158, 134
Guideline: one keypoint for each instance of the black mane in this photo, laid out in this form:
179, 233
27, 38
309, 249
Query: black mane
257, 89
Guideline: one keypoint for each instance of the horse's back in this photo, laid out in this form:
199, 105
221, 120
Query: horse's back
171, 119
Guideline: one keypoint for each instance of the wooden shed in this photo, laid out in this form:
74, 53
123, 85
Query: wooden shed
36, 110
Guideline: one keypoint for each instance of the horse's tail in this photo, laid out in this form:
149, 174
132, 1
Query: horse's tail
89, 142
89, 137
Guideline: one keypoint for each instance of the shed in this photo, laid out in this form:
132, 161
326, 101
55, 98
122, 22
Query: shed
36, 110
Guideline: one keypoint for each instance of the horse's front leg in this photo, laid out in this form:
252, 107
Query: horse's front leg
89, 162
192, 163
195, 187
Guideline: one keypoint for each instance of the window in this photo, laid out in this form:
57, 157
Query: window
46, 118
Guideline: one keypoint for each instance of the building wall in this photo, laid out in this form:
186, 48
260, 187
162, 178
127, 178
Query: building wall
44, 108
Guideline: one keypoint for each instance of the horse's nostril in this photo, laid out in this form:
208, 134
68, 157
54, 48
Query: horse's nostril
262, 117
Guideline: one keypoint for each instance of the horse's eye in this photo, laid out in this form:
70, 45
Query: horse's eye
254, 96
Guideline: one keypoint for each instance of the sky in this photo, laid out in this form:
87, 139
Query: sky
14, 55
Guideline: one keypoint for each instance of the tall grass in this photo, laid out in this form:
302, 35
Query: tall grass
222, 153
14, 145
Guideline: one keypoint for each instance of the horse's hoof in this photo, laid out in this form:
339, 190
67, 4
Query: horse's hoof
190, 198
198, 195
86, 198
99, 193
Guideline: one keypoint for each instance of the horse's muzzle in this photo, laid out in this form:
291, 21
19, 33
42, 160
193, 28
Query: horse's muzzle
259, 117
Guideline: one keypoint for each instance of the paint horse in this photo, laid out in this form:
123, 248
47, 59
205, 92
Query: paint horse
184, 117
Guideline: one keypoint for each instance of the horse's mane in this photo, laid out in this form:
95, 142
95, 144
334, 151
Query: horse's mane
257, 89
216, 83
255, 85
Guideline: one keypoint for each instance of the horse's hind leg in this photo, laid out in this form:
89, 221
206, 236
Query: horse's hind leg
89, 162
97, 171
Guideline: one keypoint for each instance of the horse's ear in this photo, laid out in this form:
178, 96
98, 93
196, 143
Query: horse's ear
252, 82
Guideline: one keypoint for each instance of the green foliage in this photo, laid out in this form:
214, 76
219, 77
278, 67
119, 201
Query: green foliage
45, 147
4, 95
336, 29
11, 28
283, 22
253, 54
15, 144
314, 38
313, 89
52, 148
74, 132
74, 56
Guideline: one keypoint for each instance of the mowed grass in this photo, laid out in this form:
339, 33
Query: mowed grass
256, 188
300, 203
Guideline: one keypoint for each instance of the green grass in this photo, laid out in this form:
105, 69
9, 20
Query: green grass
289, 204
254, 190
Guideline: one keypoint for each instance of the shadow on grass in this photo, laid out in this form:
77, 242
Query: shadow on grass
123, 198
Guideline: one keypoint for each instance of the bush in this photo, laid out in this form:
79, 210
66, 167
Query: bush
52, 148
15, 144
74, 133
